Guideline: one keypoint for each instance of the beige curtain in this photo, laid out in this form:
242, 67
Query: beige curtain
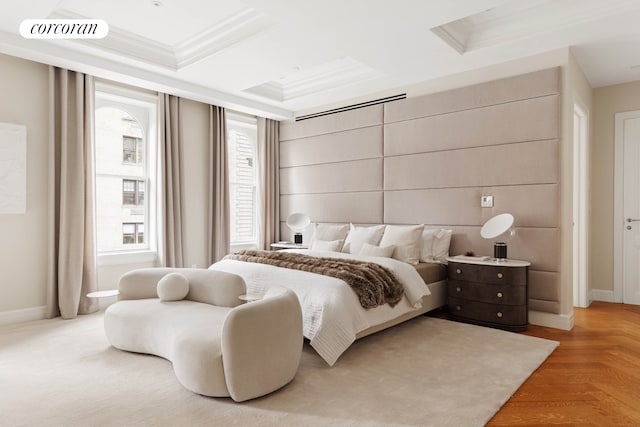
269, 203
72, 267
218, 213
170, 155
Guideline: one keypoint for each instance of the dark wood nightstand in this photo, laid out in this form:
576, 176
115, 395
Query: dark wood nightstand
488, 292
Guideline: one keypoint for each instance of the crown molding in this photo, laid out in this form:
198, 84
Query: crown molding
58, 55
228, 32
515, 21
271, 90
127, 44
233, 30
329, 75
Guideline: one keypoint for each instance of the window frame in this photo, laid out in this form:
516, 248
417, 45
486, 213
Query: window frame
136, 181
238, 120
136, 152
146, 107
136, 233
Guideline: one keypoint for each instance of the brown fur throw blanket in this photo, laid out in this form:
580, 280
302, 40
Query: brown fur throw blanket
375, 285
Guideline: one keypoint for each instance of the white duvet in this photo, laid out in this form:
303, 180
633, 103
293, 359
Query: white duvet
331, 312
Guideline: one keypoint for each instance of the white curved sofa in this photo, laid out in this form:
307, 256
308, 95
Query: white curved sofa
218, 346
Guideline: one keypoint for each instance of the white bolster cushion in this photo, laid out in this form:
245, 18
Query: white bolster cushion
173, 287
215, 287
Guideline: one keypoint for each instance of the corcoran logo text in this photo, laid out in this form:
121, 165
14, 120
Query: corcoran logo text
64, 29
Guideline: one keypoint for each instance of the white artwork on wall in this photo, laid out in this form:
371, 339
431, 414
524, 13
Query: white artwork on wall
13, 169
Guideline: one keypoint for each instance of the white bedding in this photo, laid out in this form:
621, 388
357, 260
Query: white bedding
332, 314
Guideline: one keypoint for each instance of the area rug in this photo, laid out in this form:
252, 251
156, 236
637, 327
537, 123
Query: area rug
426, 372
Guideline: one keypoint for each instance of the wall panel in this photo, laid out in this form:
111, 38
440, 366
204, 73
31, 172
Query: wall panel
508, 164
496, 124
544, 291
532, 206
438, 154
354, 144
524, 86
362, 208
354, 119
359, 175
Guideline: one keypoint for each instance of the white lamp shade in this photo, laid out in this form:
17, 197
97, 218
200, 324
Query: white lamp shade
298, 221
496, 226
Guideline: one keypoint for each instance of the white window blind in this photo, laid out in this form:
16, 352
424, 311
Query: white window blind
242, 150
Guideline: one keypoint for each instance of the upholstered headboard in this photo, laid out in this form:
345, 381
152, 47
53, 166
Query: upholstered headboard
429, 159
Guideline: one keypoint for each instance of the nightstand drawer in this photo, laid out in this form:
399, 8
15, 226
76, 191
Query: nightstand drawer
514, 276
493, 294
490, 313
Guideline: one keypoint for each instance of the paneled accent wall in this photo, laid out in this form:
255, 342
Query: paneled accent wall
429, 160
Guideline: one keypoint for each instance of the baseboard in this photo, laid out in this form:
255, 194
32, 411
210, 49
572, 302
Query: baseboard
602, 295
23, 315
551, 320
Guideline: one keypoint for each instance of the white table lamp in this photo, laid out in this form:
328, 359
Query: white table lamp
297, 222
496, 227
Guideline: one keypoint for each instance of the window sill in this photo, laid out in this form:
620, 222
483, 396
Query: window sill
240, 246
121, 258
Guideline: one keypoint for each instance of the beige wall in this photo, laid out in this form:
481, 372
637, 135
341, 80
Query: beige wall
428, 159
576, 91
23, 242
23, 245
607, 101
23, 255
574, 86
195, 136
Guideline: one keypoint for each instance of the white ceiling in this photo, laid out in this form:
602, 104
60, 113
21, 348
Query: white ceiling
279, 57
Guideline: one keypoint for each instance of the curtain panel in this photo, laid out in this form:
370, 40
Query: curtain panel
170, 170
269, 204
218, 217
72, 266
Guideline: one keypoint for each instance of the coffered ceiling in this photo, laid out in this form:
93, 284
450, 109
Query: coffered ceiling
277, 58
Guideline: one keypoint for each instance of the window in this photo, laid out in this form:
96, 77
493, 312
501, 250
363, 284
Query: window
132, 233
125, 149
133, 192
132, 148
243, 178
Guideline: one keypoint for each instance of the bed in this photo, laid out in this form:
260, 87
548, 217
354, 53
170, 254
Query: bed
332, 315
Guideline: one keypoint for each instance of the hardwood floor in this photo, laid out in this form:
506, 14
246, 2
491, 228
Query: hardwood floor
591, 379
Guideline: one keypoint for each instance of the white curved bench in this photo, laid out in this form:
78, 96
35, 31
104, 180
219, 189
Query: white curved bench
217, 346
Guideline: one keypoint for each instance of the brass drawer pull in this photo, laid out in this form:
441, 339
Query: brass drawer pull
499, 275
458, 289
499, 294
499, 314
458, 271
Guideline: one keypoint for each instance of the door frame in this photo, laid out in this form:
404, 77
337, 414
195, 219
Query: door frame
618, 203
580, 204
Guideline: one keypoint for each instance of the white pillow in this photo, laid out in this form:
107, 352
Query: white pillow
360, 235
173, 287
435, 245
441, 246
371, 250
326, 245
406, 239
407, 253
429, 236
330, 232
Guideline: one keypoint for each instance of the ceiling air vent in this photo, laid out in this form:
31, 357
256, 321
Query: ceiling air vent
353, 107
